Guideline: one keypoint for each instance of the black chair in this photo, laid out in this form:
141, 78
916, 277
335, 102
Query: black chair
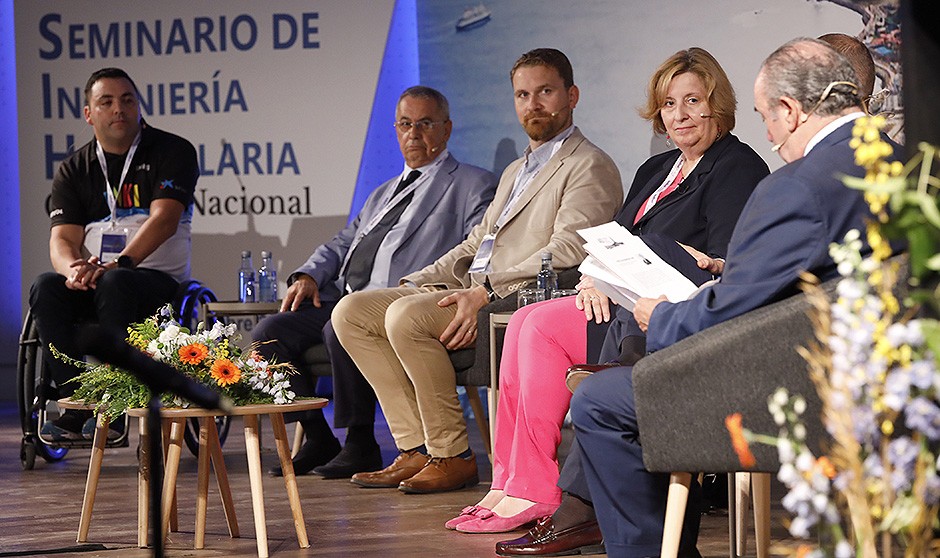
472, 364
34, 389
732, 367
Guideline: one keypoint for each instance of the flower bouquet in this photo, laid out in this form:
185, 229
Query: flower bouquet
876, 491
210, 357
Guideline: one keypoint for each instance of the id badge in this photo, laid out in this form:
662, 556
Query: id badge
481, 261
112, 244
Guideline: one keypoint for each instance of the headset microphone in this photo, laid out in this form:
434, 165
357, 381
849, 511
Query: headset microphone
703, 115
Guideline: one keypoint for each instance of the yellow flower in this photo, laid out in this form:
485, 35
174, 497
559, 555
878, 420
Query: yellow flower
194, 353
225, 372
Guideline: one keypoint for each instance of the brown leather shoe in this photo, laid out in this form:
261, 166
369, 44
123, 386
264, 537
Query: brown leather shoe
405, 466
442, 474
545, 540
579, 372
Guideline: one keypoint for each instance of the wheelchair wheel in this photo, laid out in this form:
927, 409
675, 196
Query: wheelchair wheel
31, 395
191, 433
27, 454
190, 297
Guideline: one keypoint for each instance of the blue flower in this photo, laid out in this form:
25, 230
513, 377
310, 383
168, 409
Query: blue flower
922, 415
897, 389
923, 374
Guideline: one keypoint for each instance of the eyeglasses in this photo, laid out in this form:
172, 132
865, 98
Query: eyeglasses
405, 126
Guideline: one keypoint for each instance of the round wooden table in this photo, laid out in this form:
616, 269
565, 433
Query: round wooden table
209, 448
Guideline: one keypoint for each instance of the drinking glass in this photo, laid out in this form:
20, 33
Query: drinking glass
529, 296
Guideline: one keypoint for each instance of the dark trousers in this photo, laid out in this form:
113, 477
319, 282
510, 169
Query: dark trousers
623, 325
605, 464
630, 502
122, 296
291, 334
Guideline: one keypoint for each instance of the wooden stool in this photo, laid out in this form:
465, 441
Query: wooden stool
209, 449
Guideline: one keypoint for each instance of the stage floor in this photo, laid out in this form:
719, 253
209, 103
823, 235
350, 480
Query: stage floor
39, 509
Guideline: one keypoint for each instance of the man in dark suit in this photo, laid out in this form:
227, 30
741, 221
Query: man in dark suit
806, 95
405, 224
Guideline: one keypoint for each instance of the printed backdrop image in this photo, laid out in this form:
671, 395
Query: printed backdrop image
275, 96
614, 47
290, 103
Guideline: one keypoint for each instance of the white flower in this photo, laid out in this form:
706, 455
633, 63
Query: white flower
805, 461
788, 474
218, 329
820, 503
785, 451
843, 549
799, 405
799, 527
169, 334
799, 431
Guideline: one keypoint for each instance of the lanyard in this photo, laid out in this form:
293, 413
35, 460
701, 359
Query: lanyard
112, 200
670, 178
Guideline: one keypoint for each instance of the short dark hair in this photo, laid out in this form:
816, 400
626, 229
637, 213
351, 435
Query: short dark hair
425, 92
553, 58
104, 73
858, 56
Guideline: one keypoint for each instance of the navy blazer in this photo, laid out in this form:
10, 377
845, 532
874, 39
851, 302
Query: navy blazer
453, 203
704, 208
785, 228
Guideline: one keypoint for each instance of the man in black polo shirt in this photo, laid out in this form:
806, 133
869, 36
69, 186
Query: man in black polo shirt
121, 210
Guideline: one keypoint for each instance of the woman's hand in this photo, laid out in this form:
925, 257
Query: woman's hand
595, 304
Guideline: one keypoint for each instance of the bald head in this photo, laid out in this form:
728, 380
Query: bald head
803, 69
858, 56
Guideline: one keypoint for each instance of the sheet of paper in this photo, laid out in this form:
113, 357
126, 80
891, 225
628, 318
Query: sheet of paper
626, 262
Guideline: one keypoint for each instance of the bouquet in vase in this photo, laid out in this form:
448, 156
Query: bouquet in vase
211, 357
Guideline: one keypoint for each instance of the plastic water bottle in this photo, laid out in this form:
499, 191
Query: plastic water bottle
267, 279
246, 279
547, 279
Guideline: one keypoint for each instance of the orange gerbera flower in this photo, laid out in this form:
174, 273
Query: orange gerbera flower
225, 372
738, 441
826, 466
194, 353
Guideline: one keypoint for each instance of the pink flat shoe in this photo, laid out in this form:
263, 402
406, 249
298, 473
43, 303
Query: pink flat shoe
493, 523
466, 514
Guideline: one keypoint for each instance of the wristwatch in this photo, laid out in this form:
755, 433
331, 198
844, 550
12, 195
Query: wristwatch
125, 261
490, 293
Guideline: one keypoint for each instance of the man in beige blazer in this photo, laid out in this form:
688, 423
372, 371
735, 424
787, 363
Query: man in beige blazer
400, 338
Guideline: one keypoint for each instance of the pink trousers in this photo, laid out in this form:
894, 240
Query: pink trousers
542, 341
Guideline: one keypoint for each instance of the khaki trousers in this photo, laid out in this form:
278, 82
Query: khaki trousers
393, 337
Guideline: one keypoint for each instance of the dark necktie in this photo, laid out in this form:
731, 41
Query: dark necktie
361, 261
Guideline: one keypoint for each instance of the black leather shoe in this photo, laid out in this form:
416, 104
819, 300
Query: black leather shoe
310, 455
351, 460
545, 540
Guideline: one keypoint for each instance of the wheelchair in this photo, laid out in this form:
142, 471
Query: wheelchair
35, 393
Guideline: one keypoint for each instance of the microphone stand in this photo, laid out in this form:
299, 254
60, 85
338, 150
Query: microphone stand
154, 432
158, 377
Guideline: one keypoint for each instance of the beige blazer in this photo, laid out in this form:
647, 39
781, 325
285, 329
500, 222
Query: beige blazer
579, 187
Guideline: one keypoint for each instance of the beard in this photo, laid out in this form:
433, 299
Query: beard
542, 126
